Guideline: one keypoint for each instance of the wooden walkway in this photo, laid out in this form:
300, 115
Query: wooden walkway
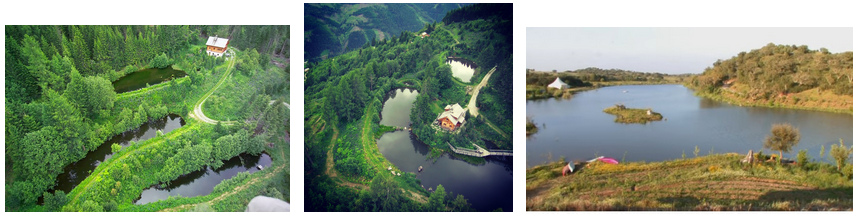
479, 152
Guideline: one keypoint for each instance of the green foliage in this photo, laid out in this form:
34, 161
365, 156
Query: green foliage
188, 159
783, 138
161, 61
91, 94
775, 69
801, 158
115, 148
55, 201
436, 200
91, 206
840, 154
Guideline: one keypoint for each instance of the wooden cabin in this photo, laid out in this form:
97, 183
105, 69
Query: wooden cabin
216, 46
452, 117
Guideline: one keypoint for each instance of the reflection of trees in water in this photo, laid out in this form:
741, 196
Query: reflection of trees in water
504, 161
706, 103
419, 147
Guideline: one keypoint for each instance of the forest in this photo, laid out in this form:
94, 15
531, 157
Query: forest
344, 97
334, 29
781, 76
61, 105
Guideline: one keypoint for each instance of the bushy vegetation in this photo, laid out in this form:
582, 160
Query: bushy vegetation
531, 127
781, 75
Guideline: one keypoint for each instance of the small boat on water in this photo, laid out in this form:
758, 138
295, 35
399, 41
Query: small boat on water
420, 169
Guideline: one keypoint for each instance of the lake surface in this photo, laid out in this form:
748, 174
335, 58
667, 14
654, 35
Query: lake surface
78, 171
486, 187
151, 76
577, 128
202, 182
462, 68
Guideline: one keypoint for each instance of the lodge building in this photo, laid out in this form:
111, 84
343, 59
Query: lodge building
452, 117
216, 46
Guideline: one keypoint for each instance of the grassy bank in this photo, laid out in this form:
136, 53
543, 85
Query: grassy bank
629, 115
812, 99
714, 182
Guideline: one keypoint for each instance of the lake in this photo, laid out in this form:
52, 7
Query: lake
76, 172
487, 186
202, 182
151, 76
577, 129
462, 68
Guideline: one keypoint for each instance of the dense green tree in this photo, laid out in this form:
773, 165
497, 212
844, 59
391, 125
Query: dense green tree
55, 201
437, 199
783, 138
384, 195
461, 204
91, 94
91, 206
160, 61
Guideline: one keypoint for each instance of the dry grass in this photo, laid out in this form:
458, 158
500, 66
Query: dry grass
715, 182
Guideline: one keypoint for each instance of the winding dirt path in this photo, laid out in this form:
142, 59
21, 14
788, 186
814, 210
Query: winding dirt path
472, 105
198, 108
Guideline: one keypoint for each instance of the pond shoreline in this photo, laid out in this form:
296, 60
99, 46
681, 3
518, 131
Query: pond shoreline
731, 100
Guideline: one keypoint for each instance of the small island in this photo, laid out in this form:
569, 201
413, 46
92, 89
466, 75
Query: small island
629, 115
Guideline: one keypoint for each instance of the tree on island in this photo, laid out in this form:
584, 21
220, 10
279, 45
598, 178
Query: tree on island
783, 138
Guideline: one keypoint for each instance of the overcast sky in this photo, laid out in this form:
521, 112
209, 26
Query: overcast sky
664, 50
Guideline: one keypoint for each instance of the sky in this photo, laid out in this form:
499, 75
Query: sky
664, 50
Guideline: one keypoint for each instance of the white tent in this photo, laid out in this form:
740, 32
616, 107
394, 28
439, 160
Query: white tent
558, 84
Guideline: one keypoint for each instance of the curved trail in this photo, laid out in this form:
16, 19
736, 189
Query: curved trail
198, 108
472, 104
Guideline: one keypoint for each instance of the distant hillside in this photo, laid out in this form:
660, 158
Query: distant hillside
781, 76
333, 29
583, 77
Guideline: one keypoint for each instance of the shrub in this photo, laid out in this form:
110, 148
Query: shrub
801, 158
840, 154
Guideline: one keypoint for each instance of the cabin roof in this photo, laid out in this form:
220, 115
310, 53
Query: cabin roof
217, 42
454, 113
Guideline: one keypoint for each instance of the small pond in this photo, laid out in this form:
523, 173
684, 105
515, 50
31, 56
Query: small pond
151, 76
462, 68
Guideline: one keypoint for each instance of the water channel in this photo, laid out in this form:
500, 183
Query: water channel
76, 172
202, 182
